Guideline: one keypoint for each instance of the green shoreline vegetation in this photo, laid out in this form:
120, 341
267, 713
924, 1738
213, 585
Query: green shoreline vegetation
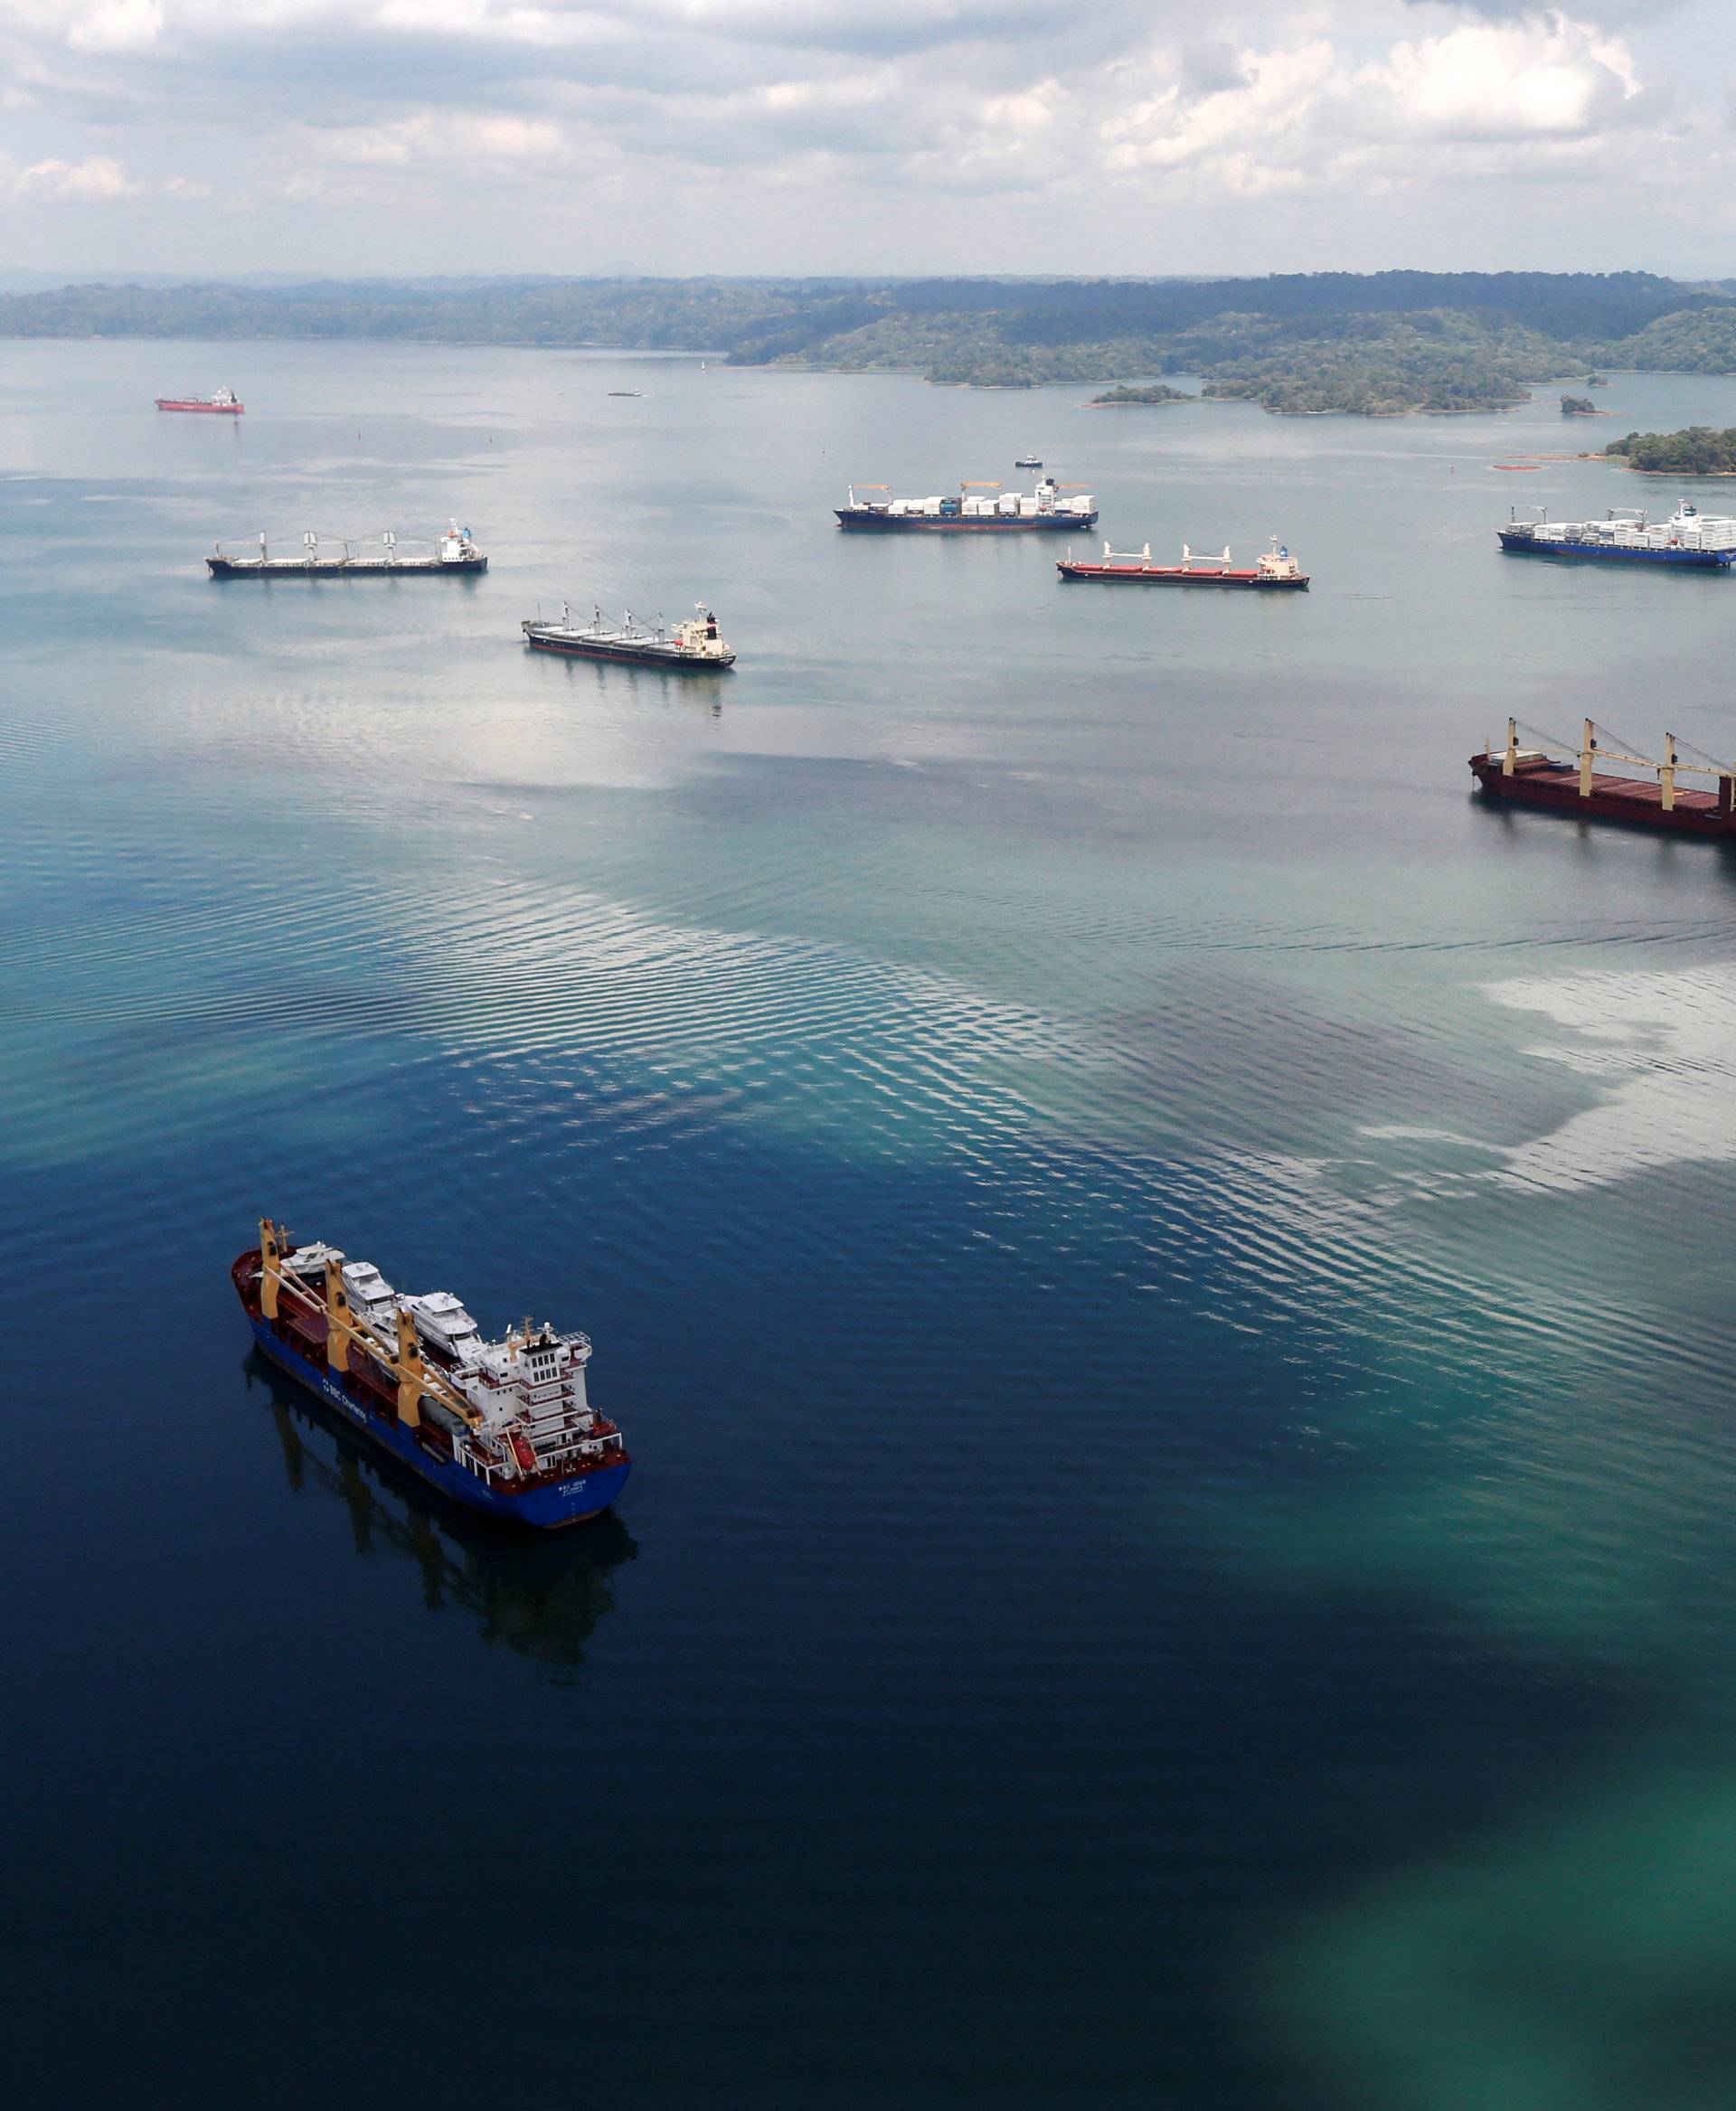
1697, 451
1377, 344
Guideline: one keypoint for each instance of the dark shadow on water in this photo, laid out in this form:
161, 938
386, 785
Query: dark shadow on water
538, 1594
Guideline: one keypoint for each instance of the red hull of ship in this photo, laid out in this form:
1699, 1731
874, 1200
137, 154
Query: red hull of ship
1175, 575
1611, 799
217, 409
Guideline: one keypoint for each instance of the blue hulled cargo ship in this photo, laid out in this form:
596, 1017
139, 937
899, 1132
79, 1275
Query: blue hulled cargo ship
503, 1427
1689, 540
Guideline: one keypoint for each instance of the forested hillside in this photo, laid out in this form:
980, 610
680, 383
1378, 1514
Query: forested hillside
1379, 344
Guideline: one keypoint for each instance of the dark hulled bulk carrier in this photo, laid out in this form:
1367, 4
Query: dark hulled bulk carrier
979, 509
454, 554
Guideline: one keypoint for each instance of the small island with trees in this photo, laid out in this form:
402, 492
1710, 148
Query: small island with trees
1697, 451
1155, 392
1578, 407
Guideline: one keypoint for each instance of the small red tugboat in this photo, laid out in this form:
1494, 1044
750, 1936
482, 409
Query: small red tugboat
1277, 569
224, 400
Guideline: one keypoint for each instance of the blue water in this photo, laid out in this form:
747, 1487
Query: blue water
1168, 1275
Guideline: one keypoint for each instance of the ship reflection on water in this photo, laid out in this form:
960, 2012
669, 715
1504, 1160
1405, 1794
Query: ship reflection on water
539, 1594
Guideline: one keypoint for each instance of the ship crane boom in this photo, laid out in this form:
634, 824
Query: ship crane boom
401, 1359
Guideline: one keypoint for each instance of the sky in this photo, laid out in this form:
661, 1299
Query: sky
678, 137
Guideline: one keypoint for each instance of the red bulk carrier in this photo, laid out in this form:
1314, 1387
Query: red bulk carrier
223, 401
1570, 782
1277, 568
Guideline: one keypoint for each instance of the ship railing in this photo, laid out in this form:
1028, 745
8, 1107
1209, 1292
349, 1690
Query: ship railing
489, 1471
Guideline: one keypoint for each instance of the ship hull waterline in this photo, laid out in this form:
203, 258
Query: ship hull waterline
1174, 576
877, 524
1629, 801
546, 1509
243, 568
1589, 553
627, 656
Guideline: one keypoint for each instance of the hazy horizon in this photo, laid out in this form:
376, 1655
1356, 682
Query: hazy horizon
409, 138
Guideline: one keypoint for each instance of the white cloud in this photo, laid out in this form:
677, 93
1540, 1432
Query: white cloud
1196, 125
99, 181
117, 25
1310, 114
448, 138
1542, 77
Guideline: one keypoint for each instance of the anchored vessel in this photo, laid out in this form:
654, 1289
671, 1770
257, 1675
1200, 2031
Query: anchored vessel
694, 646
454, 552
1689, 539
503, 1426
221, 400
1550, 775
1277, 568
1028, 462
998, 513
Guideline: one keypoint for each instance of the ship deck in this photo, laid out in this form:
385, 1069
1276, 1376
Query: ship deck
1175, 575
1556, 785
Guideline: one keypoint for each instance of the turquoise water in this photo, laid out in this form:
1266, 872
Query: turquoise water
1167, 1274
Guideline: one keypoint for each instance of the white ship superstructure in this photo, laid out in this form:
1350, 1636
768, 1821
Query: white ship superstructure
1687, 536
978, 506
521, 1407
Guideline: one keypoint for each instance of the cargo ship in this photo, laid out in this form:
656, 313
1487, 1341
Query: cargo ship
501, 1425
1689, 540
224, 401
1276, 569
694, 646
1570, 782
999, 513
454, 552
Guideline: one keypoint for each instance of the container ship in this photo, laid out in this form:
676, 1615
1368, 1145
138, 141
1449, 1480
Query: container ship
225, 402
979, 509
1570, 782
1689, 540
454, 552
1276, 569
504, 1426
694, 646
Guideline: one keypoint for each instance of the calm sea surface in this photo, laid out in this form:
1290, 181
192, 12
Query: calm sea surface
1168, 1275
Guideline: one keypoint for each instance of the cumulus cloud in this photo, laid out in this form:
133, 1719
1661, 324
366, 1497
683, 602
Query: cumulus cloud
1219, 106
1540, 77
